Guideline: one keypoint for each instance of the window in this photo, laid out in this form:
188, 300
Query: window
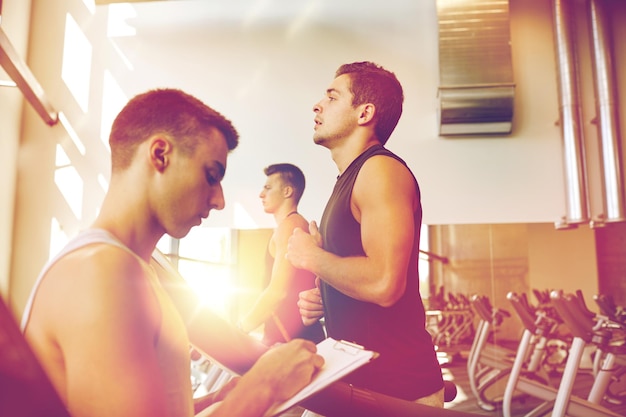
205, 259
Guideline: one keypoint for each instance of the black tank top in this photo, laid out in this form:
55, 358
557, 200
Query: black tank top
407, 366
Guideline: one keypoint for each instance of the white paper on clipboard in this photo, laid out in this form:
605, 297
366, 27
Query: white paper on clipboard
340, 358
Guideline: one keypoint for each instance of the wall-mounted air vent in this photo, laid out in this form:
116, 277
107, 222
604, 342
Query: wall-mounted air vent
476, 88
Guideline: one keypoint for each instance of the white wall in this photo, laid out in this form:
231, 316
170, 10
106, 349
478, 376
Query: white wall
266, 74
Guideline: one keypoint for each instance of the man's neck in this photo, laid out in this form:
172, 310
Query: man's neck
124, 222
284, 212
348, 151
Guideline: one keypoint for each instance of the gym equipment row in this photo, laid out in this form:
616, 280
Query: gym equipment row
450, 320
547, 360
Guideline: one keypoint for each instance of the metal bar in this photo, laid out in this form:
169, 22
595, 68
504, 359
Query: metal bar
442, 259
19, 72
607, 116
571, 129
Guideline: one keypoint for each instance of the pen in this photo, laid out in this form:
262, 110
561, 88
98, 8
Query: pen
281, 328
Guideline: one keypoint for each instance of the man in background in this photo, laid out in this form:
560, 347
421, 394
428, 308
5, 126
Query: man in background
276, 307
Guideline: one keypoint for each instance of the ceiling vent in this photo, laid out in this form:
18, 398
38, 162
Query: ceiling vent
476, 88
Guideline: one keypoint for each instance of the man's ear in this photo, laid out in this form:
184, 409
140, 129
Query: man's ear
368, 110
160, 151
287, 191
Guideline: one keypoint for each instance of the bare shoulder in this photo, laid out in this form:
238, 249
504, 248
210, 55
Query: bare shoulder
386, 168
384, 174
97, 282
100, 265
287, 226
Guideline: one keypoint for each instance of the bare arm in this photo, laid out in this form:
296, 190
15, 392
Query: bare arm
384, 200
94, 324
283, 273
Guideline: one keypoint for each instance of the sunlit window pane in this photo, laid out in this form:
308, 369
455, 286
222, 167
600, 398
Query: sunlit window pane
72, 133
113, 100
203, 258
103, 182
209, 244
210, 282
58, 238
91, 5
164, 244
76, 70
243, 219
119, 15
69, 183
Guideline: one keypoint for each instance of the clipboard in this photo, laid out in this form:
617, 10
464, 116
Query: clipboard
340, 358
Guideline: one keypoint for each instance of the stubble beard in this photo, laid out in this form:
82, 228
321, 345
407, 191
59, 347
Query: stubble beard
321, 139
317, 138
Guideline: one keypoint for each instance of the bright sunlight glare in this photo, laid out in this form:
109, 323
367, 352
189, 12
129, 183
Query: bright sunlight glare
119, 14
76, 70
205, 263
211, 283
72, 133
69, 182
113, 100
58, 238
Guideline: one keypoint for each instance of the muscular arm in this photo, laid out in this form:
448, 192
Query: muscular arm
283, 272
94, 323
384, 201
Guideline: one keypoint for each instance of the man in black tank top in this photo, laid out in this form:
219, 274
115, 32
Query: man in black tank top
366, 248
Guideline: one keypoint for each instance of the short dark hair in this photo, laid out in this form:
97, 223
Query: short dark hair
291, 175
371, 83
170, 111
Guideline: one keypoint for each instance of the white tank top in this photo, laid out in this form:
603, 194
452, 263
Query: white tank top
172, 352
